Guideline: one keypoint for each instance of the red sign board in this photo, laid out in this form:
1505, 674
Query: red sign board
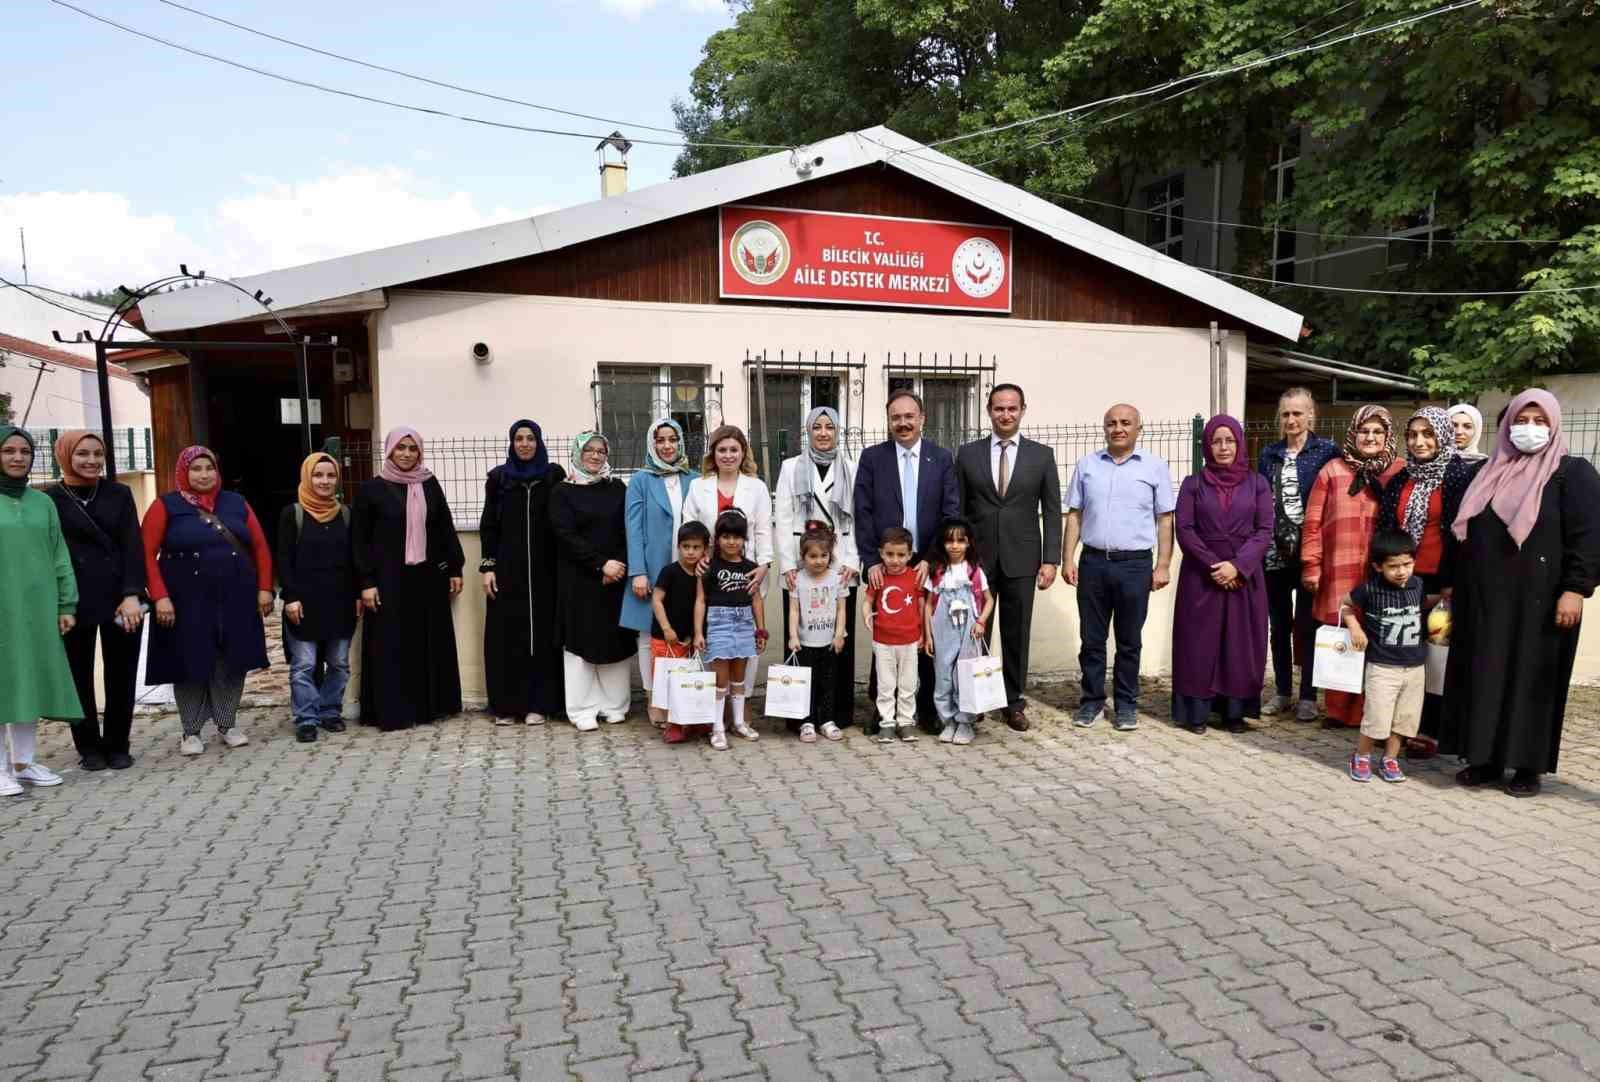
817, 257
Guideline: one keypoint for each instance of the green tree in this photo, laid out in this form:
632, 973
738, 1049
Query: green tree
5, 407
109, 298
1489, 115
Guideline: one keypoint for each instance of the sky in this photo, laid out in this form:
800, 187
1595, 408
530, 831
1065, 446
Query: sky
122, 158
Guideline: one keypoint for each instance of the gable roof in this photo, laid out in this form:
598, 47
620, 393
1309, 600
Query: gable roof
739, 182
10, 343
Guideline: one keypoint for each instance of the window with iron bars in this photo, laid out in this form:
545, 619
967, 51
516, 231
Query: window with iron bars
628, 397
795, 383
951, 390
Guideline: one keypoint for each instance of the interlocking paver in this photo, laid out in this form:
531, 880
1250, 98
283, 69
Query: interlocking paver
533, 903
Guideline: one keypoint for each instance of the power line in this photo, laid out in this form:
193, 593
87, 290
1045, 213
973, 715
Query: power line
1214, 73
1404, 292
414, 77
427, 111
29, 291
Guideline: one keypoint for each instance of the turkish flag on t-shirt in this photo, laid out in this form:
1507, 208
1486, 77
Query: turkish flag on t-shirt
896, 610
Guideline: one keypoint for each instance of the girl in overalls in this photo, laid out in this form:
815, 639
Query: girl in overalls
958, 609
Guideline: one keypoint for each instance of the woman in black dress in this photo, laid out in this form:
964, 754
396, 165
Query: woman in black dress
101, 526
521, 650
1529, 527
408, 565
586, 516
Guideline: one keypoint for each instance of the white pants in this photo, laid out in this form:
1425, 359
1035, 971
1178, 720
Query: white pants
595, 690
23, 739
897, 683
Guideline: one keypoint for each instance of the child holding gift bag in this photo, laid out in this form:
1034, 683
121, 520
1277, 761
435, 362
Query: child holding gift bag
729, 620
672, 602
817, 628
958, 609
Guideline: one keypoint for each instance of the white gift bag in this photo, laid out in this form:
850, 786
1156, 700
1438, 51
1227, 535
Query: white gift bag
788, 691
660, 689
1438, 658
694, 697
1338, 666
980, 684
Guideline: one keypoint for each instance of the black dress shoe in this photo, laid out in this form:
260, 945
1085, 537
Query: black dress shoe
1238, 725
1198, 728
334, 726
92, 762
306, 734
1017, 719
119, 760
1523, 783
1484, 774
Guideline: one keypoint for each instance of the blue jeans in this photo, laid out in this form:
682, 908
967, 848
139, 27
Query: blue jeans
1112, 592
316, 699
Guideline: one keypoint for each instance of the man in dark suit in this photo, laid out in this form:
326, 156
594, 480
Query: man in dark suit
905, 481
1008, 485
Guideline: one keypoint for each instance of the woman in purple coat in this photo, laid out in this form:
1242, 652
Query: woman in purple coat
1219, 636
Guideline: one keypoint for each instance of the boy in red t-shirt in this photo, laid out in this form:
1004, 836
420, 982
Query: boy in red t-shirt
894, 616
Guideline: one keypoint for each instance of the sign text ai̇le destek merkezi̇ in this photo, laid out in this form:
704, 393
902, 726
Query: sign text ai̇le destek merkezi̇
819, 257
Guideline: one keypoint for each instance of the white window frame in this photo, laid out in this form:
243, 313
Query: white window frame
1162, 208
1428, 229
1284, 166
919, 380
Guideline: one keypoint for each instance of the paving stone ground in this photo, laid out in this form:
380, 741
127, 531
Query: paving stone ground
470, 902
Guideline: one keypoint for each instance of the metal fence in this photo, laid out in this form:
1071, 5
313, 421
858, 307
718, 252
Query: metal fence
133, 447
461, 464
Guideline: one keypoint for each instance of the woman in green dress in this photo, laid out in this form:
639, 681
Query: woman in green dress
38, 597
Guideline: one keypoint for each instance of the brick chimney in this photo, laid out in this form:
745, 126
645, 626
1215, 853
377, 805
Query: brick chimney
613, 154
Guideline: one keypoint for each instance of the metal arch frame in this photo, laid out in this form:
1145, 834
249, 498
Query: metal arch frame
106, 341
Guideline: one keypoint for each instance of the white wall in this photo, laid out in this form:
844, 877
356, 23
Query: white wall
546, 349
70, 397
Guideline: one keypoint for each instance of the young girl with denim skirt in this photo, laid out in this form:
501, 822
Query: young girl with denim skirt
958, 609
729, 619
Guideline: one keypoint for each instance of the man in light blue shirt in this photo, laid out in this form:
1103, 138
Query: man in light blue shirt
1120, 505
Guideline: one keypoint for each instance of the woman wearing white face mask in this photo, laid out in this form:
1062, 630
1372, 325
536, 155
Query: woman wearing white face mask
1529, 525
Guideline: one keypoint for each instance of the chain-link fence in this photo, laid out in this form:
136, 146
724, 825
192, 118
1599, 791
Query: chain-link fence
134, 449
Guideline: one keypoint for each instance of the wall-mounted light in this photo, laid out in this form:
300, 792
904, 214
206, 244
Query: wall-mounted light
481, 353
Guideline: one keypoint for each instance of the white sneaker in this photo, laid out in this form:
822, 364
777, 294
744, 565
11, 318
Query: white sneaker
35, 774
618, 720
191, 745
531, 719
505, 721
963, 734
947, 735
1307, 710
234, 737
9, 786
1272, 704
585, 725
719, 739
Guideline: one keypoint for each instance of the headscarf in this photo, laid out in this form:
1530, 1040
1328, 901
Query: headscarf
206, 501
1428, 475
580, 475
66, 443
14, 486
416, 502
653, 463
1511, 482
1470, 452
518, 472
321, 508
840, 506
1368, 470
1224, 478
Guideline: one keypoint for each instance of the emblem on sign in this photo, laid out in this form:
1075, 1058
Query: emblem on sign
978, 267
760, 252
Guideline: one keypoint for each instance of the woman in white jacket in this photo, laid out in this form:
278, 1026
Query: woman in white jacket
728, 479
817, 487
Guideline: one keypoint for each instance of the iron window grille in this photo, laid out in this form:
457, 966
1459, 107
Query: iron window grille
789, 385
953, 390
628, 397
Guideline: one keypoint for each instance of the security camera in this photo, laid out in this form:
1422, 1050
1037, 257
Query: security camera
817, 161
481, 354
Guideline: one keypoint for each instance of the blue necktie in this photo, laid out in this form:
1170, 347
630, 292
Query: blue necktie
908, 493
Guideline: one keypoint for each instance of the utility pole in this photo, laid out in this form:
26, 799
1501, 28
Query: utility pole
41, 368
22, 236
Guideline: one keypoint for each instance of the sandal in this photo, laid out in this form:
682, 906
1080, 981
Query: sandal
719, 740
831, 731
1483, 774
744, 730
808, 733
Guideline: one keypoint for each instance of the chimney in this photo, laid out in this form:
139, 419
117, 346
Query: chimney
613, 154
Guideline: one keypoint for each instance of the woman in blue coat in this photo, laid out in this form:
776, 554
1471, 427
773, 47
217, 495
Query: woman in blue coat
654, 511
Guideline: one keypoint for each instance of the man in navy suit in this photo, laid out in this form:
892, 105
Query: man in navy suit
906, 481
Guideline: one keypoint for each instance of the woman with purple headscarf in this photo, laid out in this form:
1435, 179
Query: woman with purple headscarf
408, 565
1529, 528
1219, 636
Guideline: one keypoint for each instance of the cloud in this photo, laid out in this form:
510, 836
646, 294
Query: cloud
95, 240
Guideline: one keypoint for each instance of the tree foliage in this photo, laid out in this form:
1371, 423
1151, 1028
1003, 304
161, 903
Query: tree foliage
1489, 115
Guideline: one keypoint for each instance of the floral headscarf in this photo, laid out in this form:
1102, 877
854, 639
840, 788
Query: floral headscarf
1368, 470
206, 501
1428, 475
581, 475
653, 462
